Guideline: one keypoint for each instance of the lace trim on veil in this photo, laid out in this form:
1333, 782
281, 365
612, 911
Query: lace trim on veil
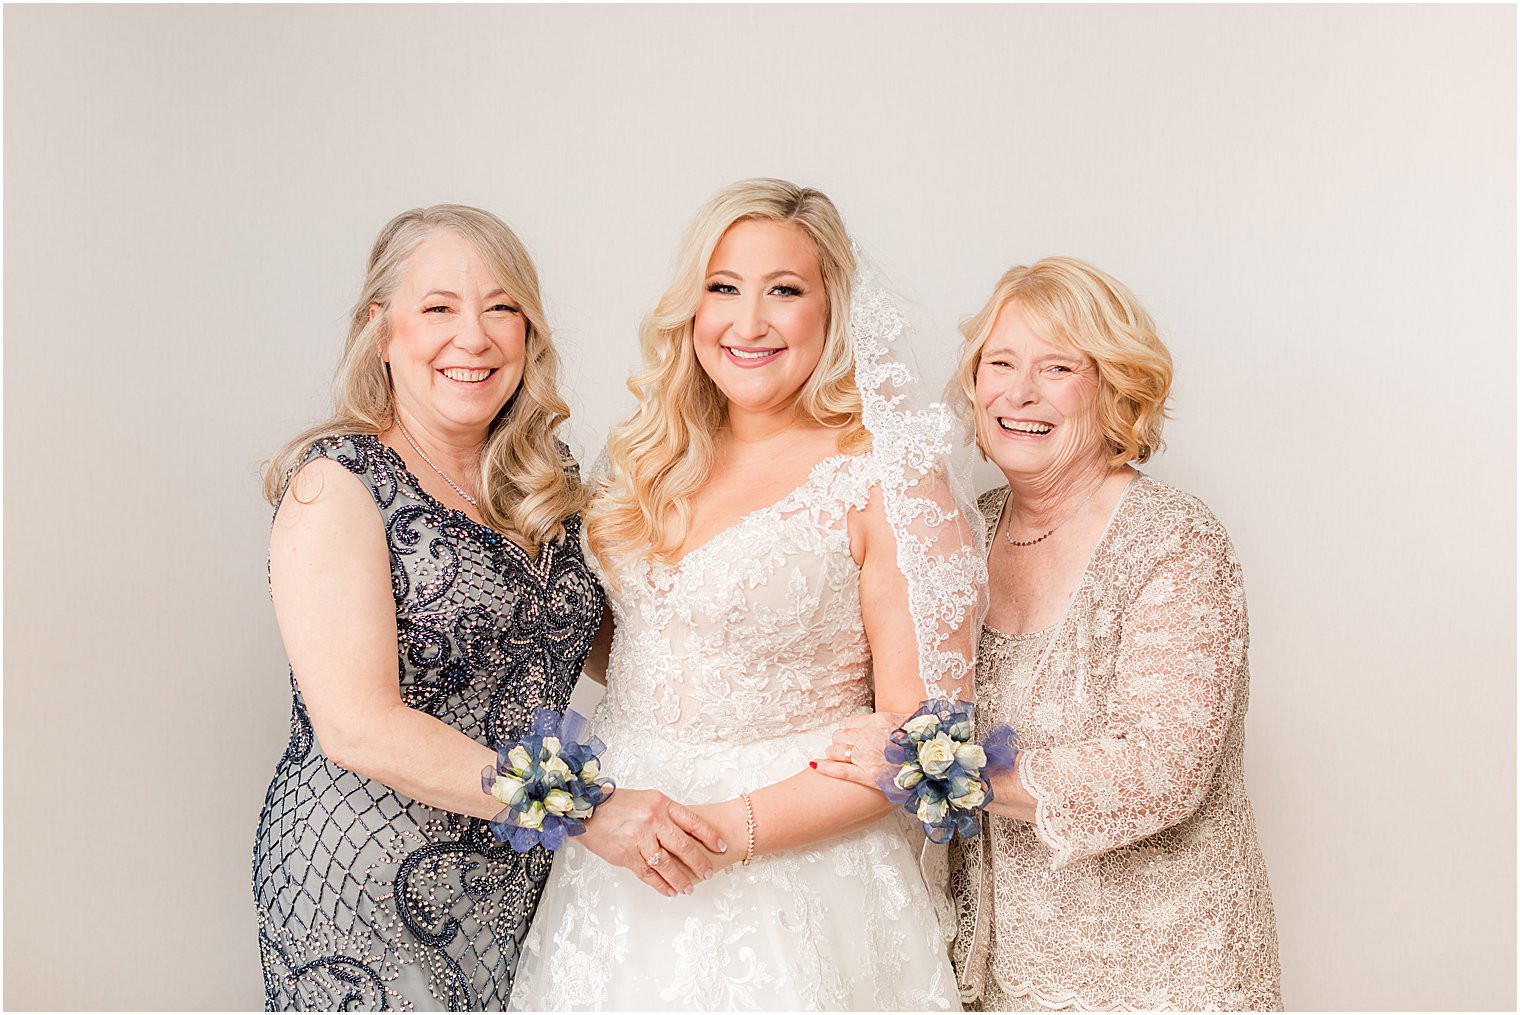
926, 497
922, 460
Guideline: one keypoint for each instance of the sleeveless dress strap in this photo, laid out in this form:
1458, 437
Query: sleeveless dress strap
361, 454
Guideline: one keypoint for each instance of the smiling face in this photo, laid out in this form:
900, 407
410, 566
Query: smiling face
760, 327
456, 346
1036, 402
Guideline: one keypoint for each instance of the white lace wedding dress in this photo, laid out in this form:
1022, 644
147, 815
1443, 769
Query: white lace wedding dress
729, 672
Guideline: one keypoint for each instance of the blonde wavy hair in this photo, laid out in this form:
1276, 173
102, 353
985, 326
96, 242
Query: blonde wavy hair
1070, 303
528, 481
663, 453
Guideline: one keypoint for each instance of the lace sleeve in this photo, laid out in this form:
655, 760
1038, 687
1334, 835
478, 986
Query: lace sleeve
1181, 657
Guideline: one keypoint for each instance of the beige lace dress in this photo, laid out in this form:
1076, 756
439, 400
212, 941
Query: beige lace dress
1140, 883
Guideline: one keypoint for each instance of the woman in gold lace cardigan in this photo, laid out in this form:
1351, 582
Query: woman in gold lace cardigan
1119, 865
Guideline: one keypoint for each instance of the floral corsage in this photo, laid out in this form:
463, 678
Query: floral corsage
941, 775
548, 780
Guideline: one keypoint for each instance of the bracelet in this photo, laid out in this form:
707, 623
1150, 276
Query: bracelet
749, 822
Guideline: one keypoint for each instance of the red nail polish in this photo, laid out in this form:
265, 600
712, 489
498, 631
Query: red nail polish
812, 764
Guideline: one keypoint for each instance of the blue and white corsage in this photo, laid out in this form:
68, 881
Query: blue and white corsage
941, 777
549, 781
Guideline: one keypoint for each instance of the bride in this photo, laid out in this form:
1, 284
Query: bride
781, 551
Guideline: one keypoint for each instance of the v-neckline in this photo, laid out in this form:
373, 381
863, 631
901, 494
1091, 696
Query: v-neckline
531, 562
1086, 568
745, 518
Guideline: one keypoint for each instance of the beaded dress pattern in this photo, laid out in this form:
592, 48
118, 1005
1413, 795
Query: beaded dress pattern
1140, 883
367, 899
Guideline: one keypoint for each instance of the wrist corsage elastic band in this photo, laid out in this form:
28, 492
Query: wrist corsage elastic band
941, 775
549, 781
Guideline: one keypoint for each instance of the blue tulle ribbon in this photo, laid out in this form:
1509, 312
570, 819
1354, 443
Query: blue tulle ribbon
528, 820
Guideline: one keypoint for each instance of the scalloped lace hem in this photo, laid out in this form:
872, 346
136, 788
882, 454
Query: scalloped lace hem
1058, 999
1064, 1001
1071, 1001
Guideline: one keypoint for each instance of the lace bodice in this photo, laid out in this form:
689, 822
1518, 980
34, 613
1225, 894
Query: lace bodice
757, 632
1140, 883
729, 671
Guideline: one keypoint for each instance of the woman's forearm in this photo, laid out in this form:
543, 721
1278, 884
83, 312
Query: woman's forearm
1009, 797
802, 810
416, 755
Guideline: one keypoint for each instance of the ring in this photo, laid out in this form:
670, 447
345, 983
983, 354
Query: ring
849, 752
655, 859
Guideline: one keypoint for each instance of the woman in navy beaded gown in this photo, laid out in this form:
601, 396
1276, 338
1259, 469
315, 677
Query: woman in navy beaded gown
427, 576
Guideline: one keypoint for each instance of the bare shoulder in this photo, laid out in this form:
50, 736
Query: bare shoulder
326, 519
327, 553
321, 489
870, 533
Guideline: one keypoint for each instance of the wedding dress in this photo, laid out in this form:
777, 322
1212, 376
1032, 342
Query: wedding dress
730, 669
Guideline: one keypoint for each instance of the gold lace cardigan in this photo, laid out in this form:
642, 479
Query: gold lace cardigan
1140, 883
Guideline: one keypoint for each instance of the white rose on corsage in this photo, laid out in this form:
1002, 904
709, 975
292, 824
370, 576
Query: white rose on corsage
971, 799
971, 756
507, 789
591, 769
519, 759
908, 776
532, 816
920, 726
936, 756
557, 801
931, 810
556, 767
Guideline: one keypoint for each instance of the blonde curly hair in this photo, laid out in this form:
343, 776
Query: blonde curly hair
663, 453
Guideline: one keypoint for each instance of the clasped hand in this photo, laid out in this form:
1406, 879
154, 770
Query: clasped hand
634, 826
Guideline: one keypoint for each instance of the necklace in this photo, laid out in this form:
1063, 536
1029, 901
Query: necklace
444, 476
1008, 532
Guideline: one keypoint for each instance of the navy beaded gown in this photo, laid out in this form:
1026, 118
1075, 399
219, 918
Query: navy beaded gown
367, 899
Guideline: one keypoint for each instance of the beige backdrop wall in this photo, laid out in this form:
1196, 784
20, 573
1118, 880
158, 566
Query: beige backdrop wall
1318, 204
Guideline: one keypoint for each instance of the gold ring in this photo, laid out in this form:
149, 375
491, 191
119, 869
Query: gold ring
655, 859
849, 752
